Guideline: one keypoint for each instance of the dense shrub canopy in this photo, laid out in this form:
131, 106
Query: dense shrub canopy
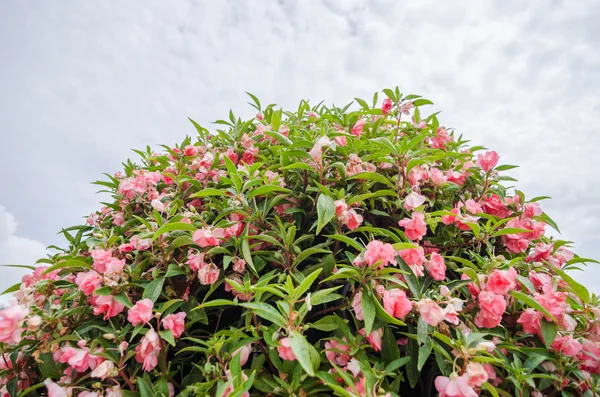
356, 251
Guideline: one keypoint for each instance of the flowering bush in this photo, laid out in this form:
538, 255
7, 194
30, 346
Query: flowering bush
316, 252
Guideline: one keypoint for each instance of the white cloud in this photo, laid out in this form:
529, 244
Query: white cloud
85, 82
15, 250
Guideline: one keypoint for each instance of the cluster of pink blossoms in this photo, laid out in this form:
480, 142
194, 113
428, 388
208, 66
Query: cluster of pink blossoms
217, 271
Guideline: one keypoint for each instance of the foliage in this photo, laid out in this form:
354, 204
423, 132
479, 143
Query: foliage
325, 251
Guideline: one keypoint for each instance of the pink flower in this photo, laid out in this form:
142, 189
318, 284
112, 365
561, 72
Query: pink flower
357, 306
114, 391
114, 266
474, 289
406, 106
589, 356
473, 206
413, 200
386, 106
396, 303
437, 177
101, 258
146, 353
566, 345
414, 228
208, 274
285, 350
337, 352
477, 374
357, 130
488, 160
430, 312
196, 260
530, 320
414, 258
207, 237
492, 308
103, 370
190, 151
141, 312
554, 302
175, 322
88, 282
540, 252
501, 281
54, 390
108, 306
456, 177
140, 244
493, 205
541, 281
436, 267
317, 150
244, 353
454, 386
374, 338
11, 323
340, 140
239, 265
532, 209
378, 252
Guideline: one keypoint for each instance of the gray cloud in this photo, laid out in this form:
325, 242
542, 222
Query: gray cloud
15, 249
85, 82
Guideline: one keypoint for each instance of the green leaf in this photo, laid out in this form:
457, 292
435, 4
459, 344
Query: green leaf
306, 283
424, 341
325, 211
404, 246
412, 351
104, 291
169, 227
247, 255
347, 240
153, 290
385, 316
372, 176
309, 252
534, 360
421, 102
529, 301
210, 192
328, 323
266, 311
174, 270
146, 389
123, 298
300, 347
14, 288
411, 279
20, 266
216, 303
510, 230
549, 331
69, 263
299, 165
48, 367
167, 335
579, 290
266, 189
389, 347
369, 309
394, 365
490, 388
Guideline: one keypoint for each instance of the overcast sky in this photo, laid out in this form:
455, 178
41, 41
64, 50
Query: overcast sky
83, 82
